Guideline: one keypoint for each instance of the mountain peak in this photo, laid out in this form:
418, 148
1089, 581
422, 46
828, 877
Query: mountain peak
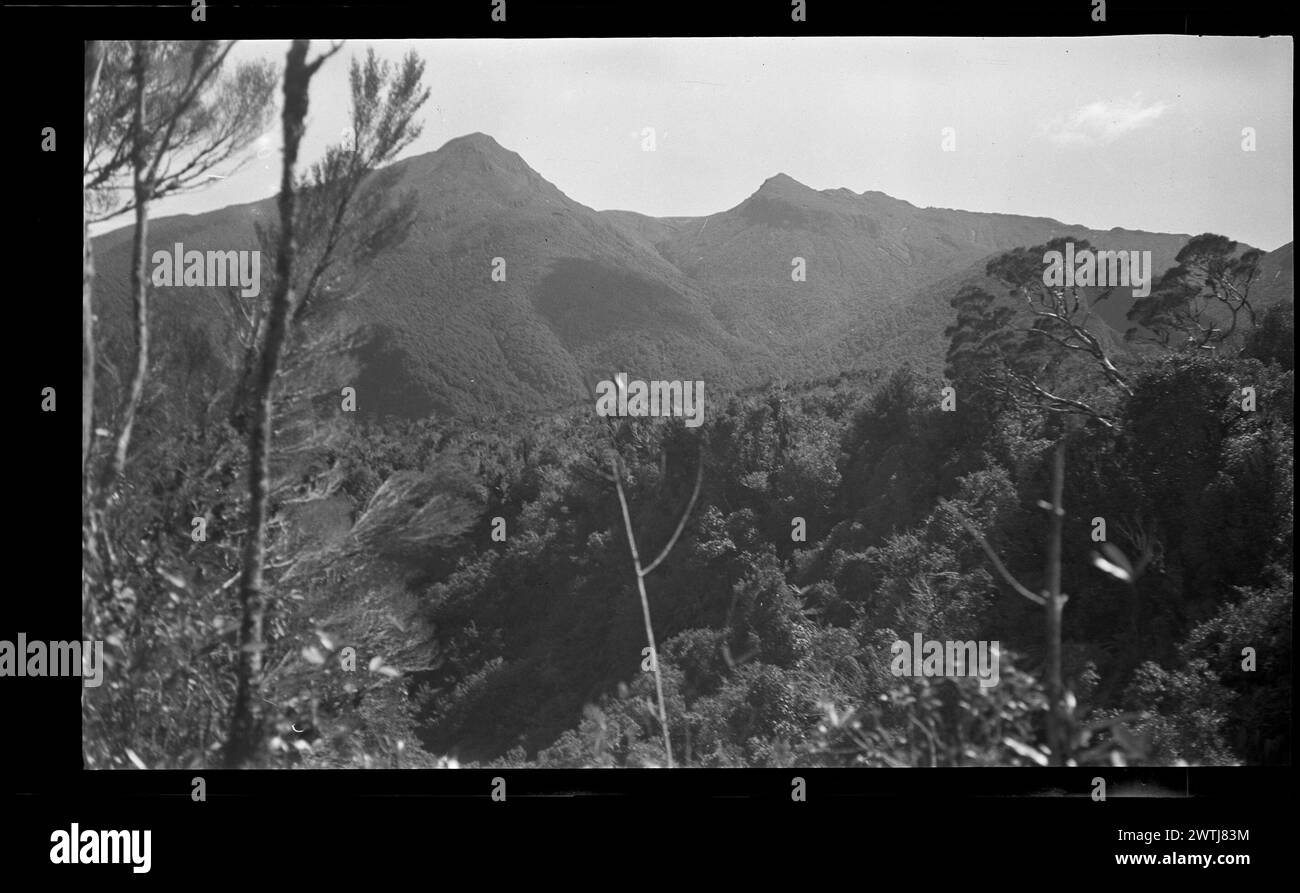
783, 189
783, 184
476, 140
481, 146
477, 158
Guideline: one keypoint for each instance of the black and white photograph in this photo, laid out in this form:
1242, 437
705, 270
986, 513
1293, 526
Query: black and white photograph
713, 403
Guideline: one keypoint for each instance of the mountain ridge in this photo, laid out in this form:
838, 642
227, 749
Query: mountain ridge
587, 292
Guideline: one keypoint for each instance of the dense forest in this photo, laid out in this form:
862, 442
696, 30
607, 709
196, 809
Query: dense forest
439, 591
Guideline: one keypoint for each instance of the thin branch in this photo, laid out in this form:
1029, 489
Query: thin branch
681, 525
615, 462
1056, 403
1058, 718
993, 556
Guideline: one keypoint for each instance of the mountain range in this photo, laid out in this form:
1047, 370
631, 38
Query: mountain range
589, 293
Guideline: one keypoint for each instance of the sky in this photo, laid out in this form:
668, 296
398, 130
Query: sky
1136, 132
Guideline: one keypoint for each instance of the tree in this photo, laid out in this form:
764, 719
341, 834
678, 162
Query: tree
243, 733
185, 119
1273, 340
1059, 715
348, 209
1052, 364
383, 109
94, 63
616, 470
1188, 306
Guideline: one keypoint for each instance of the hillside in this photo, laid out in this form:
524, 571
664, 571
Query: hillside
592, 292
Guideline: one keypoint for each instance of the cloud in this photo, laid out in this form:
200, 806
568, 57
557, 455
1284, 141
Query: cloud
266, 145
1101, 122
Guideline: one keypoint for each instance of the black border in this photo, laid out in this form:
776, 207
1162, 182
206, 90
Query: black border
960, 815
665, 18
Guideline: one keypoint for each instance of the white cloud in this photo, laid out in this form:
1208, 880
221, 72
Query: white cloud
1102, 122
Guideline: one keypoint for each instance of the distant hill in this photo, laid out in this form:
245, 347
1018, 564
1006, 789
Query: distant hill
594, 292
1276, 280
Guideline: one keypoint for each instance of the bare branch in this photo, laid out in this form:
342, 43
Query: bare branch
1046, 399
993, 556
615, 467
681, 524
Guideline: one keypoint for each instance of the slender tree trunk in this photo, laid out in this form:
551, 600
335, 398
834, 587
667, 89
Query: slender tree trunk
645, 611
89, 623
616, 466
143, 190
87, 343
94, 60
245, 726
1057, 720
